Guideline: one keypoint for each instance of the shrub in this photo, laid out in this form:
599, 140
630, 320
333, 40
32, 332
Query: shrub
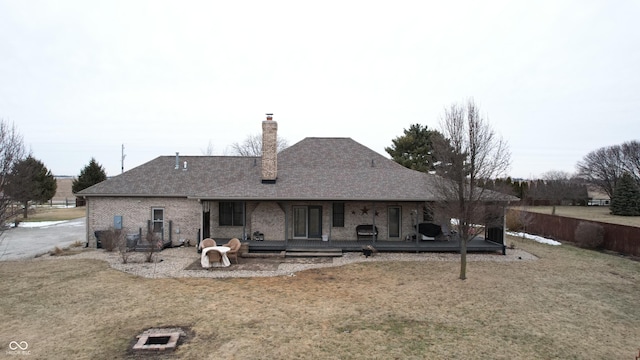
589, 235
111, 239
518, 220
154, 245
512, 221
77, 243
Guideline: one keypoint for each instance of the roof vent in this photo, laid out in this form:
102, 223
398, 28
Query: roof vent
177, 160
185, 166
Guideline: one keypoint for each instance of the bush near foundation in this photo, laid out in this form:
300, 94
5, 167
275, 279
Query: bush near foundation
111, 239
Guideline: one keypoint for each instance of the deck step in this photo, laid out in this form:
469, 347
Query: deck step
311, 249
279, 254
313, 254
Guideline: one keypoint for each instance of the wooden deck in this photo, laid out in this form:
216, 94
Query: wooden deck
475, 245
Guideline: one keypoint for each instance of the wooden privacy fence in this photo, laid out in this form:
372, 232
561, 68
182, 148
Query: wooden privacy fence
618, 238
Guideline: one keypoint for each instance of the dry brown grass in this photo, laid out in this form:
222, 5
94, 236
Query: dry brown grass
571, 303
595, 213
47, 213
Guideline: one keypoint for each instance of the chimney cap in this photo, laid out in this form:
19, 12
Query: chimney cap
269, 116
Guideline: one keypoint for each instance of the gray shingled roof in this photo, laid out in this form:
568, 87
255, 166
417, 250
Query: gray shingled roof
312, 169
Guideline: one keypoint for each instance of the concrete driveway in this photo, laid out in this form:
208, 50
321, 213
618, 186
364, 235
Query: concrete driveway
28, 242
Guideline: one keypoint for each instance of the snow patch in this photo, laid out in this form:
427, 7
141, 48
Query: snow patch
37, 224
536, 238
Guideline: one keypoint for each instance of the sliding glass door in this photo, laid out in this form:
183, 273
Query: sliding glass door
394, 222
307, 222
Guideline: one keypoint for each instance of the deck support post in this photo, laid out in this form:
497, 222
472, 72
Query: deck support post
375, 233
418, 235
244, 220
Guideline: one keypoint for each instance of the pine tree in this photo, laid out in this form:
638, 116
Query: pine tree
626, 197
30, 180
415, 149
90, 175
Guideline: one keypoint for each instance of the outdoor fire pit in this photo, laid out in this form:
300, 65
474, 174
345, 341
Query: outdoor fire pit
158, 339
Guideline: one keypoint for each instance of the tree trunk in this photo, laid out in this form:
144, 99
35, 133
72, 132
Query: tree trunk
25, 212
463, 258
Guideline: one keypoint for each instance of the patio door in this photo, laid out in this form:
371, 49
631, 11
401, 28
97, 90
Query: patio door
307, 222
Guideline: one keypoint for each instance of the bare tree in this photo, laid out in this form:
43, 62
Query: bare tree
472, 154
521, 219
209, 150
557, 186
604, 167
12, 150
631, 158
252, 146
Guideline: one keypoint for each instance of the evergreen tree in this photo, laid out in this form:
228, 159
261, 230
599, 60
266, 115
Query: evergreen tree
414, 149
90, 175
626, 197
30, 180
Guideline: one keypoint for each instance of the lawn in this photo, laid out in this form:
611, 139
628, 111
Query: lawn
49, 213
595, 213
569, 304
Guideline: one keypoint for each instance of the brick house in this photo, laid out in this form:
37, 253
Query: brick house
319, 189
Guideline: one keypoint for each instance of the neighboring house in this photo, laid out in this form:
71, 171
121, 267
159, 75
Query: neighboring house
318, 189
597, 197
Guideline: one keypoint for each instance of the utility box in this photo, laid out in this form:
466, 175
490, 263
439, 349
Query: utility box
117, 222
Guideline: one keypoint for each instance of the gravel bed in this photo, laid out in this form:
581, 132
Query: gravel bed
171, 263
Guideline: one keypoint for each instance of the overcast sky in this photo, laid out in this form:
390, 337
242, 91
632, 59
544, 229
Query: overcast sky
557, 79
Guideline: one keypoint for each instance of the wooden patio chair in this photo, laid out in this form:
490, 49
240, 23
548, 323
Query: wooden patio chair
208, 242
234, 244
214, 256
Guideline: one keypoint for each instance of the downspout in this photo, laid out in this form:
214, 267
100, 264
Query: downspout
201, 224
504, 229
88, 224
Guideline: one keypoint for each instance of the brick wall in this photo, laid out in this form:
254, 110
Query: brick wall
269, 218
266, 217
184, 214
269, 149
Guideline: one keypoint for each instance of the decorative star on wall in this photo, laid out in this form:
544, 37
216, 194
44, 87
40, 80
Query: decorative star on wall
364, 210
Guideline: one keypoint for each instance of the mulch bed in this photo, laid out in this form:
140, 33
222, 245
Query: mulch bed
260, 264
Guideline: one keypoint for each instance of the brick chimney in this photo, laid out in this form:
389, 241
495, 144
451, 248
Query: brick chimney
269, 150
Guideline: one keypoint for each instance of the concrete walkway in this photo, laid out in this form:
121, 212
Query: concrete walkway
28, 242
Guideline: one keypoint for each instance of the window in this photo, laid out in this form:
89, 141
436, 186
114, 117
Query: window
157, 216
231, 213
338, 214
